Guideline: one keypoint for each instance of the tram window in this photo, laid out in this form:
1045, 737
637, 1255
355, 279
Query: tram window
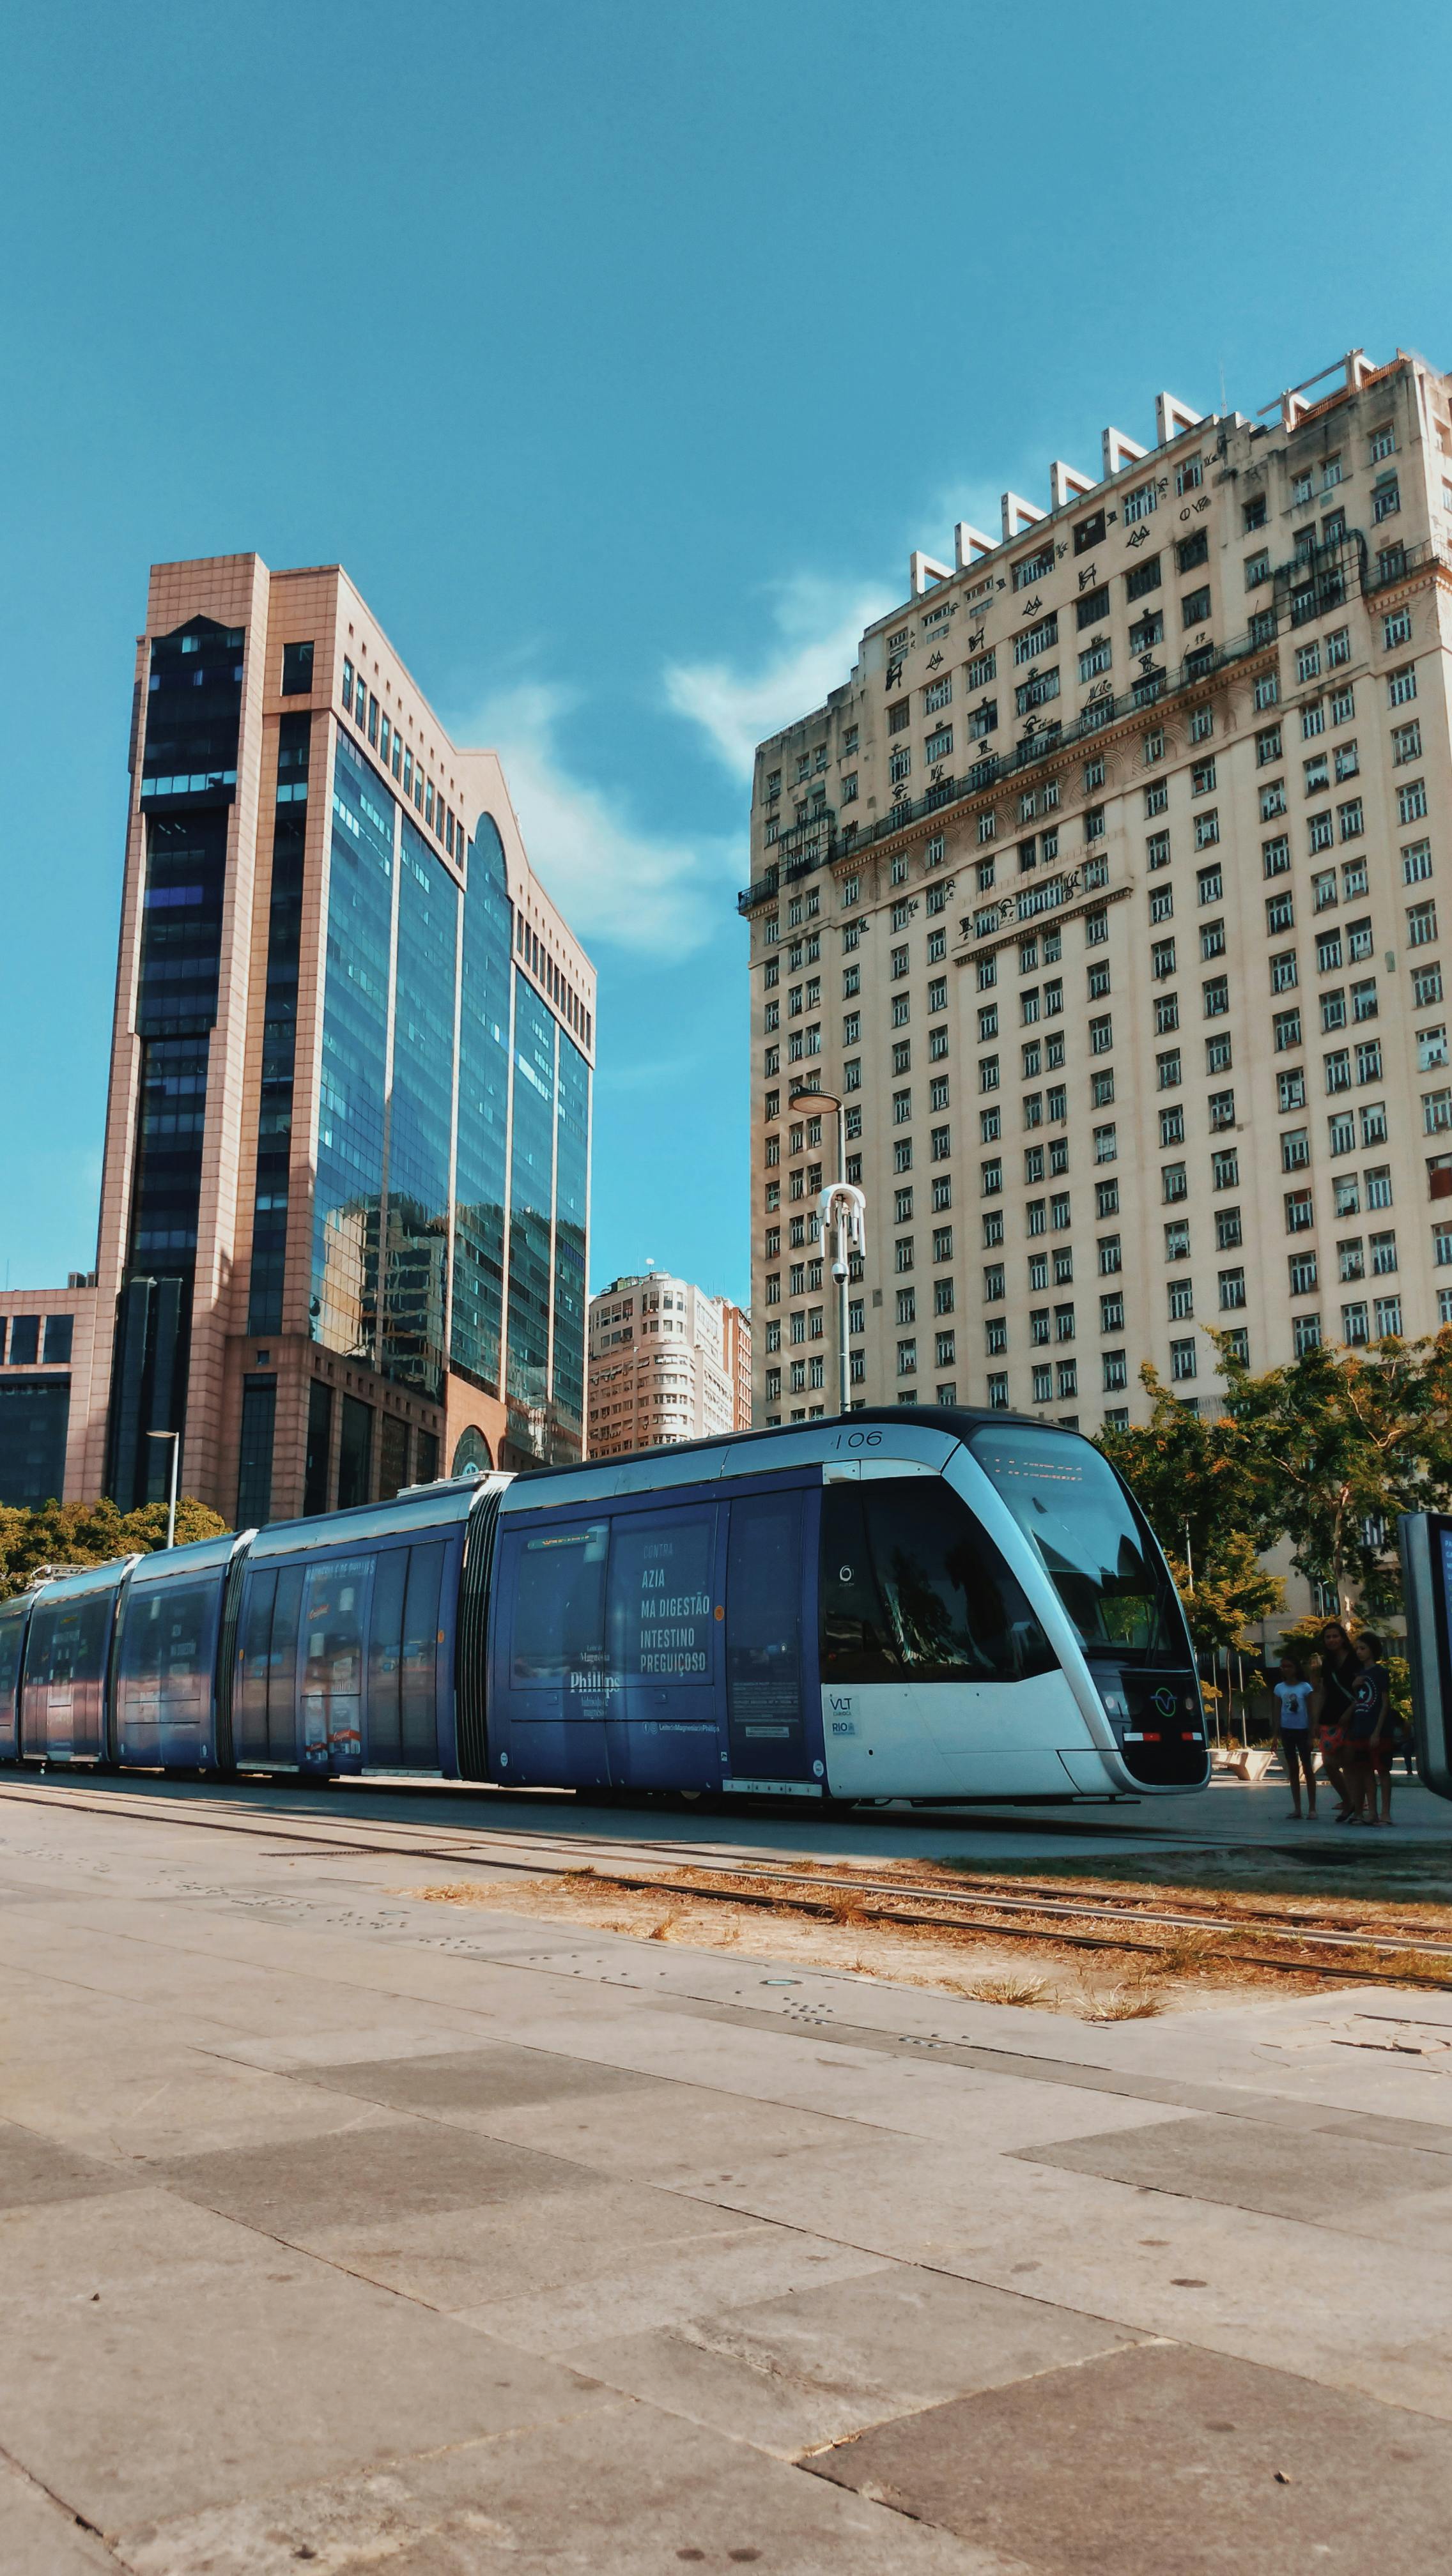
68, 1641
559, 1605
250, 1701
265, 1709
418, 1729
12, 1630
933, 1597
167, 1641
763, 1618
402, 1656
1104, 1566
337, 1594
385, 1654
857, 1644
661, 1598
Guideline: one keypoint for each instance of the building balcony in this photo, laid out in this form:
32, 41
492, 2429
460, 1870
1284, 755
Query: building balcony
1319, 579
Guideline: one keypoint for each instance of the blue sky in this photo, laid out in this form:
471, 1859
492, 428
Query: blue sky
621, 354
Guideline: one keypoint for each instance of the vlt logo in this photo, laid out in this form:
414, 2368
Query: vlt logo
840, 1703
1165, 1703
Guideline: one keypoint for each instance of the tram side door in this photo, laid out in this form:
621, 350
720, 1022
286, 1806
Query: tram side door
773, 1712
334, 1625
664, 1618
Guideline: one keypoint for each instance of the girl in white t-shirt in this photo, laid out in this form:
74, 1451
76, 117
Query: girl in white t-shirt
1293, 1723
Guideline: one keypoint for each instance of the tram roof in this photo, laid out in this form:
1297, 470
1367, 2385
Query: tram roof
960, 1420
928, 1432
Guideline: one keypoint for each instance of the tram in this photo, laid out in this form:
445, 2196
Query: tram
934, 1604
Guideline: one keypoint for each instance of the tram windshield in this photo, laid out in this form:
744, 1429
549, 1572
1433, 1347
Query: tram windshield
1094, 1545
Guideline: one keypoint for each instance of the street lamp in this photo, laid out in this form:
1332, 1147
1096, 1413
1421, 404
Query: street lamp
175, 1438
843, 1209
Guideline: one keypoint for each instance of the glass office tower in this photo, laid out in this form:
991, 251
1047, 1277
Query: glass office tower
346, 1197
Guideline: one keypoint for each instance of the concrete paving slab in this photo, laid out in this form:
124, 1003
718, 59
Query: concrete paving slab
673, 2130
35, 2170
665, 2284
623, 2492
375, 2169
1356, 2308
791, 2373
807, 2071
39, 2537
499, 2077
1332, 2180
1182, 2461
554, 2241
131, 2105
155, 2359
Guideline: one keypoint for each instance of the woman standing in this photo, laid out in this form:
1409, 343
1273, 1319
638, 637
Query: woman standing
1332, 1707
1369, 1748
1293, 1724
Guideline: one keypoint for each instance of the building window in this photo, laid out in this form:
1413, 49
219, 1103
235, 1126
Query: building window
1182, 1360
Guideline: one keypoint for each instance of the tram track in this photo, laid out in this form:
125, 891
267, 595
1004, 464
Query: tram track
691, 1870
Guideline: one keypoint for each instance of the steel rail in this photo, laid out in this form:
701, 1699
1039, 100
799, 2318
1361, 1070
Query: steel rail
818, 1893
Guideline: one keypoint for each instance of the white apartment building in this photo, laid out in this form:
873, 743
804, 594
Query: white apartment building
665, 1363
1105, 896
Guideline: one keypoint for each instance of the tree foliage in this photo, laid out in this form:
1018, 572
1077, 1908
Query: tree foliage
1230, 1593
60, 1537
1325, 1453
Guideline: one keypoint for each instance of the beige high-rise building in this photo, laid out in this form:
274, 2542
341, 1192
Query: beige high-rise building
666, 1362
1105, 893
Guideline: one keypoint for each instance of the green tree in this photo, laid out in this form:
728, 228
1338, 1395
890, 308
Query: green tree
1341, 1441
1192, 1479
1230, 1594
76, 1534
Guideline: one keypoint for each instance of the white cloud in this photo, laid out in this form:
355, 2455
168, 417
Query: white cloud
818, 627
657, 895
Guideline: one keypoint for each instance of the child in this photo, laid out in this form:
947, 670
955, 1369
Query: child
1293, 1723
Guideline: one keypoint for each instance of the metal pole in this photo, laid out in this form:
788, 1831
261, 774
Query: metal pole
175, 1438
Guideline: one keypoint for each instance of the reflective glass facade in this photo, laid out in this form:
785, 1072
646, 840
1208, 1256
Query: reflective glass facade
279, 1033
187, 788
572, 1197
420, 1118
531, 1199
477, 1322
451, 1093
348, 1192
34, 1420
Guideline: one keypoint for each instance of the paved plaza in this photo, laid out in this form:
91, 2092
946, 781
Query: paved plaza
345, 2229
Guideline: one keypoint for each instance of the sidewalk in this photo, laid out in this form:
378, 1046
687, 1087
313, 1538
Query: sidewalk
332, 2231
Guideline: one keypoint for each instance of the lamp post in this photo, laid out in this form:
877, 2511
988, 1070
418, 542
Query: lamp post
175, 1438
843, 1209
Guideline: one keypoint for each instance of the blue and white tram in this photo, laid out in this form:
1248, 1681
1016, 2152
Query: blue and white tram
931, 1604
